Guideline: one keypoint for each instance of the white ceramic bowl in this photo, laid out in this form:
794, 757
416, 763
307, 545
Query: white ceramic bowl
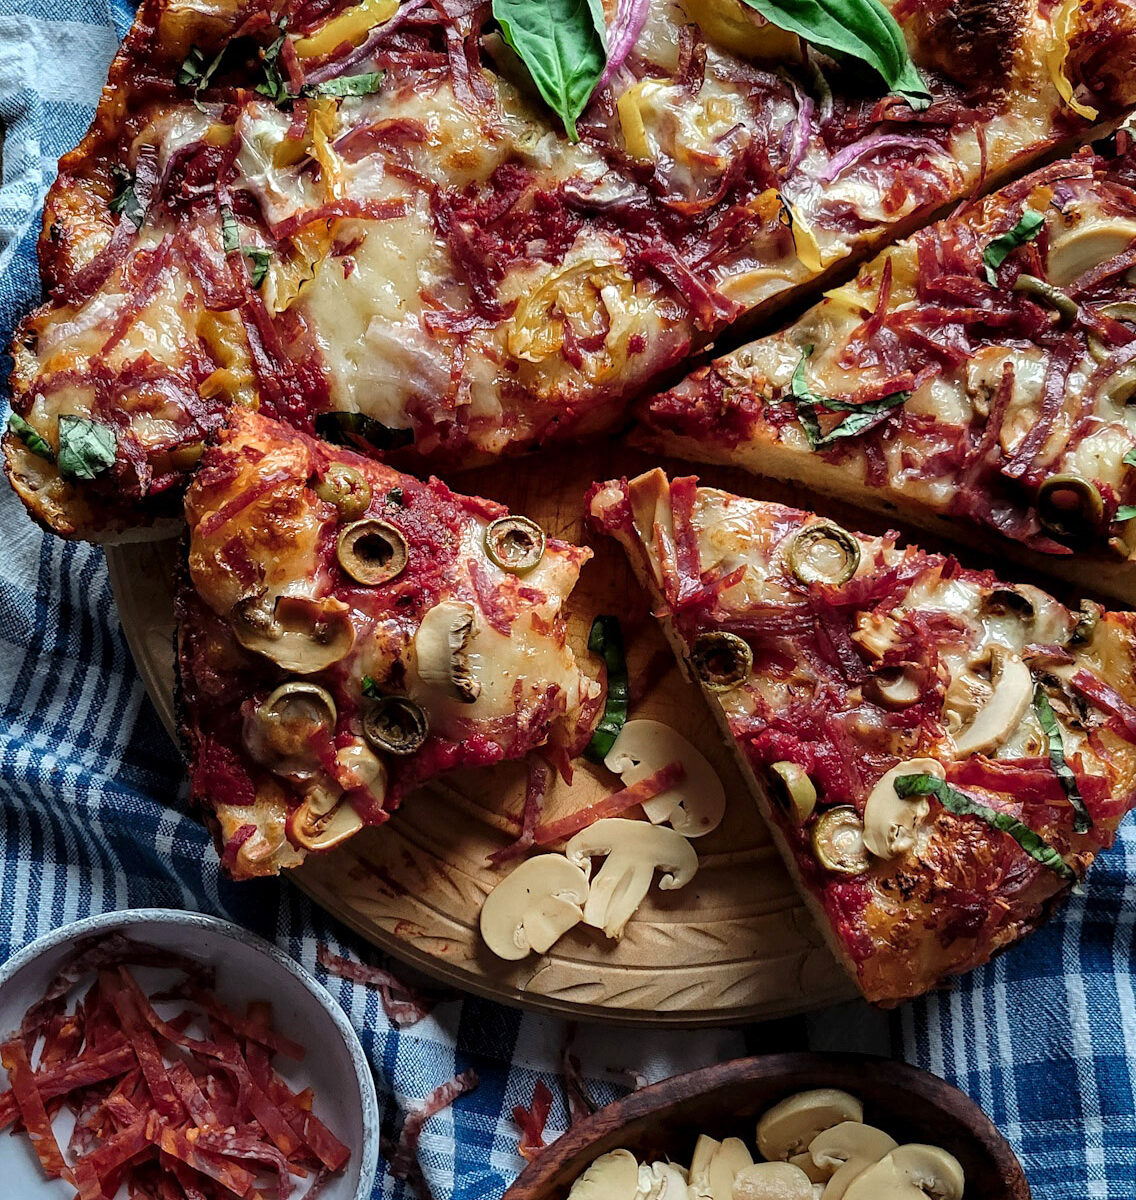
248, 968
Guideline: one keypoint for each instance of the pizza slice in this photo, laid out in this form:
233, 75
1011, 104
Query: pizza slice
363, 219
347, 632
977, 379
939, 755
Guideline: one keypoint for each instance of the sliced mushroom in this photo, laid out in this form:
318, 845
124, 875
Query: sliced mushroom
515, 544
635, 850
695, 805
360, 767
838, 841
845, 1150
1008, 602
312, 829
1085, 246
662, 1181
772, 1181
281, 732
730, 1157
790, 1126
792, 791
372, 551
912, 1172
533, 906
440, 647
895, 687
346, 489
823, 553
613, 1176
890, 820
300, 635
999, 716
721, 660
815, 1173
395, 725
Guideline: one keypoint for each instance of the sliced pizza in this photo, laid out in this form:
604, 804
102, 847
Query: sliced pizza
347, 632
362, 219
939, 755
977, 378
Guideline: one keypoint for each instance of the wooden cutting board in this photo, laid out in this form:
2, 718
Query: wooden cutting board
734, 945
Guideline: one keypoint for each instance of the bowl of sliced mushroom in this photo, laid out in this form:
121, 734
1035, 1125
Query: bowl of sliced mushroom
783, 1127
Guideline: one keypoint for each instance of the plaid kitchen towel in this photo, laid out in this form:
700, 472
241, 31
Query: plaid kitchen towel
92, 818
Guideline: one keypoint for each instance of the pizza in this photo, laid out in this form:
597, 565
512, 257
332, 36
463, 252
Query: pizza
940, 755
347, 632
362, 220
977, 378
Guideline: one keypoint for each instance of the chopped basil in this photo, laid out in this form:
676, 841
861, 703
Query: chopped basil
1082, 820
966, 806
606, 639
86, 448
260, 260
125, 200
347, 85
196, 71
27, 434
344, 428
858, 419
1027, 228
1129, 460
274, 85
1125, 512
859, 29
563, 43
371, 688
230, 231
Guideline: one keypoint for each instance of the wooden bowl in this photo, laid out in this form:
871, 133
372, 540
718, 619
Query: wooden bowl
664, 1120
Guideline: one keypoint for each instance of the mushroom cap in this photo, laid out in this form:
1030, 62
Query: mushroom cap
911, 1172
302, 635
280, 732
844, 1151
790, 1126
613, 1176
694, 806
772, 1181
1000, 715
662, 1181
635, 850
440, 644
534, 904
731, 1157
891, 820
314, 830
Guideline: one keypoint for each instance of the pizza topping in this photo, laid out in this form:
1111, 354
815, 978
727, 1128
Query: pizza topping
1004, 601
372, 551
844, 1151
792, 791
1028, 226
606, 639
772, 1181
440, 647
1072, 254
721, 660
345, 488
961, 804
1070, 507
790, 1126
895, 687
890, 821
515, 544
86, 448
30, 437
1009, 699
313, 829
395, 725
1082, 820
533, 906
912, 1172
693, 807
714, 1164
838, 841
1087, 621
626, 25
661, 1181
285, 731
823, 553
300, 635
613, 1176
635, 850
1044, 291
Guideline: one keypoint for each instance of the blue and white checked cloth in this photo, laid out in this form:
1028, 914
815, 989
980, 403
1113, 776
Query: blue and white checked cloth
92, 818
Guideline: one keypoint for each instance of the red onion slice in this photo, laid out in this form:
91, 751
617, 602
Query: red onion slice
626, 26
841, 161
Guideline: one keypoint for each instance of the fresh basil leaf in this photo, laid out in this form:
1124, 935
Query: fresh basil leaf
125, 200
1125, 512
563, 43
1082, 818
1129, 460
274, 85
860, 29
86, 448
606, 639
966, 806
192, 69
858, 419
347, 85
27, 434
343, 428
260, 259
1027, 228
230, 231
371, 688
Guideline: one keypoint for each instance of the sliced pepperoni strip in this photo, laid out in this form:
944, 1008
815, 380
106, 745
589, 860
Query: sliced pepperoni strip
32, 1111
611, 806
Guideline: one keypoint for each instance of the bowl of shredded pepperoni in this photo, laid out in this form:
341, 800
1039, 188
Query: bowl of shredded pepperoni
164, 1055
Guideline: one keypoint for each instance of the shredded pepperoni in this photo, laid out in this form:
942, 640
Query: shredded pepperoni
403, 1005
532, 1121
405, 1160
611, 806
540, 777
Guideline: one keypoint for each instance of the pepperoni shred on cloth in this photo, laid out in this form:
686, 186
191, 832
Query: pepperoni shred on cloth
164, 1112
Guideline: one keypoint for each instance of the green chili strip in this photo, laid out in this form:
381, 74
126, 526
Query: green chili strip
606, 639
1082, 820
966, 806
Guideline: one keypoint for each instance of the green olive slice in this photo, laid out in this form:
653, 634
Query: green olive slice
1037, 289
346, 488
1087, 621
722, 660
838, 841
1070, 506
824, 553
1119, 310
792, 791
372, 551
515, 544
1008, 602
395, 725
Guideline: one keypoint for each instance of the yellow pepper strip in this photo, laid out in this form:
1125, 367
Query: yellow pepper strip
1058, 51
350, 26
